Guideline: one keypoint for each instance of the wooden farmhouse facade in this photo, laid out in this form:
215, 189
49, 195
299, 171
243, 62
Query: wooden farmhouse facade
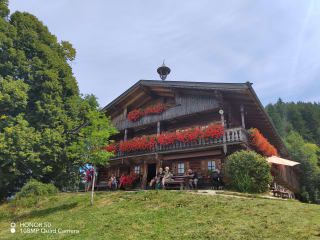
186, 125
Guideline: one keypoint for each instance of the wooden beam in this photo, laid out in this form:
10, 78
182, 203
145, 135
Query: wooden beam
145, 174
158, 128
135, 98
242, 116
147, 91
192, 155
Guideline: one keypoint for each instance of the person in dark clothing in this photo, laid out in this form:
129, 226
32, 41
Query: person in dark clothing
216, 179
221, 182
195, 180
155, 182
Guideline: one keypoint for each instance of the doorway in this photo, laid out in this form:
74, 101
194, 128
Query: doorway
152, 171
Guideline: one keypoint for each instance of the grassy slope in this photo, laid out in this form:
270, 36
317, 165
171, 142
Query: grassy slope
166, 215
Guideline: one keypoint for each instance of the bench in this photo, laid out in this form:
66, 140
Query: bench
101, 184
178, 182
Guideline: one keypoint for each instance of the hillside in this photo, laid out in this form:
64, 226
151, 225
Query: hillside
302, 117
165, 215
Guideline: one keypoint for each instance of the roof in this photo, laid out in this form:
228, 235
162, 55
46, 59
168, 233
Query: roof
176, 84
281, 161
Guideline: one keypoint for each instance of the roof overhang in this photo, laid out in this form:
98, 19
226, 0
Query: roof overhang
166, 87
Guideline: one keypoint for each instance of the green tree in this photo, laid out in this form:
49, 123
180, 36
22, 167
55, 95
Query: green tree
299, 125
92, 138
303, 118
18, 153
247, 171
13, 96
4, 9
308, 155
40, 101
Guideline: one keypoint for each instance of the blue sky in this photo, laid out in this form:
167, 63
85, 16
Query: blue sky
274, 44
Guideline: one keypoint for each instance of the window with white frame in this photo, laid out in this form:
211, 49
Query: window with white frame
180, 168
137, 169
211, 165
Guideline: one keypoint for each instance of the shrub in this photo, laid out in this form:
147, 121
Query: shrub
36, 188
248, 171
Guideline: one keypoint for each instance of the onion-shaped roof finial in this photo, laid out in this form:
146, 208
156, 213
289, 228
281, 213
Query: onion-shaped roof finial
163, 71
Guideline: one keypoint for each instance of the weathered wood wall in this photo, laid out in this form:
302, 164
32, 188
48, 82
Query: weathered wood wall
185, 105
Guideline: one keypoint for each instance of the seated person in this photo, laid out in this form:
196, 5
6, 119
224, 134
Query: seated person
167, 176
189, 174
156, 181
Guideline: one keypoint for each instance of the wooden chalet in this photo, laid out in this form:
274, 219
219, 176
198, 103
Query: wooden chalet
235, 106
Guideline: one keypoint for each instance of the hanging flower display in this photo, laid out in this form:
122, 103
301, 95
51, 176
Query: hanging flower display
155, 109
136, 114
213, 130
189, 135
166, 138
143, 143
113, 148
261, 143
148, 143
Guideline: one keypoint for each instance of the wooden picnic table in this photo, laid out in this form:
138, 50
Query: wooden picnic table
279, 193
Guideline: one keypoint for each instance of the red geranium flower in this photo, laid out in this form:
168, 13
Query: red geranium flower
113, 148
166, 138
213, 131
135, 115
148, 143
261, 143
155, 109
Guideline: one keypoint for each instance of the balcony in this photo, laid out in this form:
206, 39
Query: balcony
231, 136
185, 106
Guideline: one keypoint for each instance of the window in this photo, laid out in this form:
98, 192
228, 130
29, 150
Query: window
211, 165
137, 169
180, 168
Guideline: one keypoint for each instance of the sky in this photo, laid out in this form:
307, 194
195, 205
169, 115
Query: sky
273, 44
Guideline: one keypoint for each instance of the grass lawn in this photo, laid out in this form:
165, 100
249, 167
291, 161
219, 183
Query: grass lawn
164, 215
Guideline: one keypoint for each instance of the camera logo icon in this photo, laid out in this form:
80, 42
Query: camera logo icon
13, 227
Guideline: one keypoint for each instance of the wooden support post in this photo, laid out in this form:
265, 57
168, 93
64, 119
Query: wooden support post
125, 134
224, 135
229, 124
158, 164
242, 116
158, 128
125, 111
222, 119
144, 176
225, 148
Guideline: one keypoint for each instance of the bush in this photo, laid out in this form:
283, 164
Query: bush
248, 171
36, 188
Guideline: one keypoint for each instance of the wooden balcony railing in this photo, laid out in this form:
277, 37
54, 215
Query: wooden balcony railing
231, 136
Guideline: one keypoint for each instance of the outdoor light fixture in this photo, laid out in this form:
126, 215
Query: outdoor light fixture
221, 111
163, 71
